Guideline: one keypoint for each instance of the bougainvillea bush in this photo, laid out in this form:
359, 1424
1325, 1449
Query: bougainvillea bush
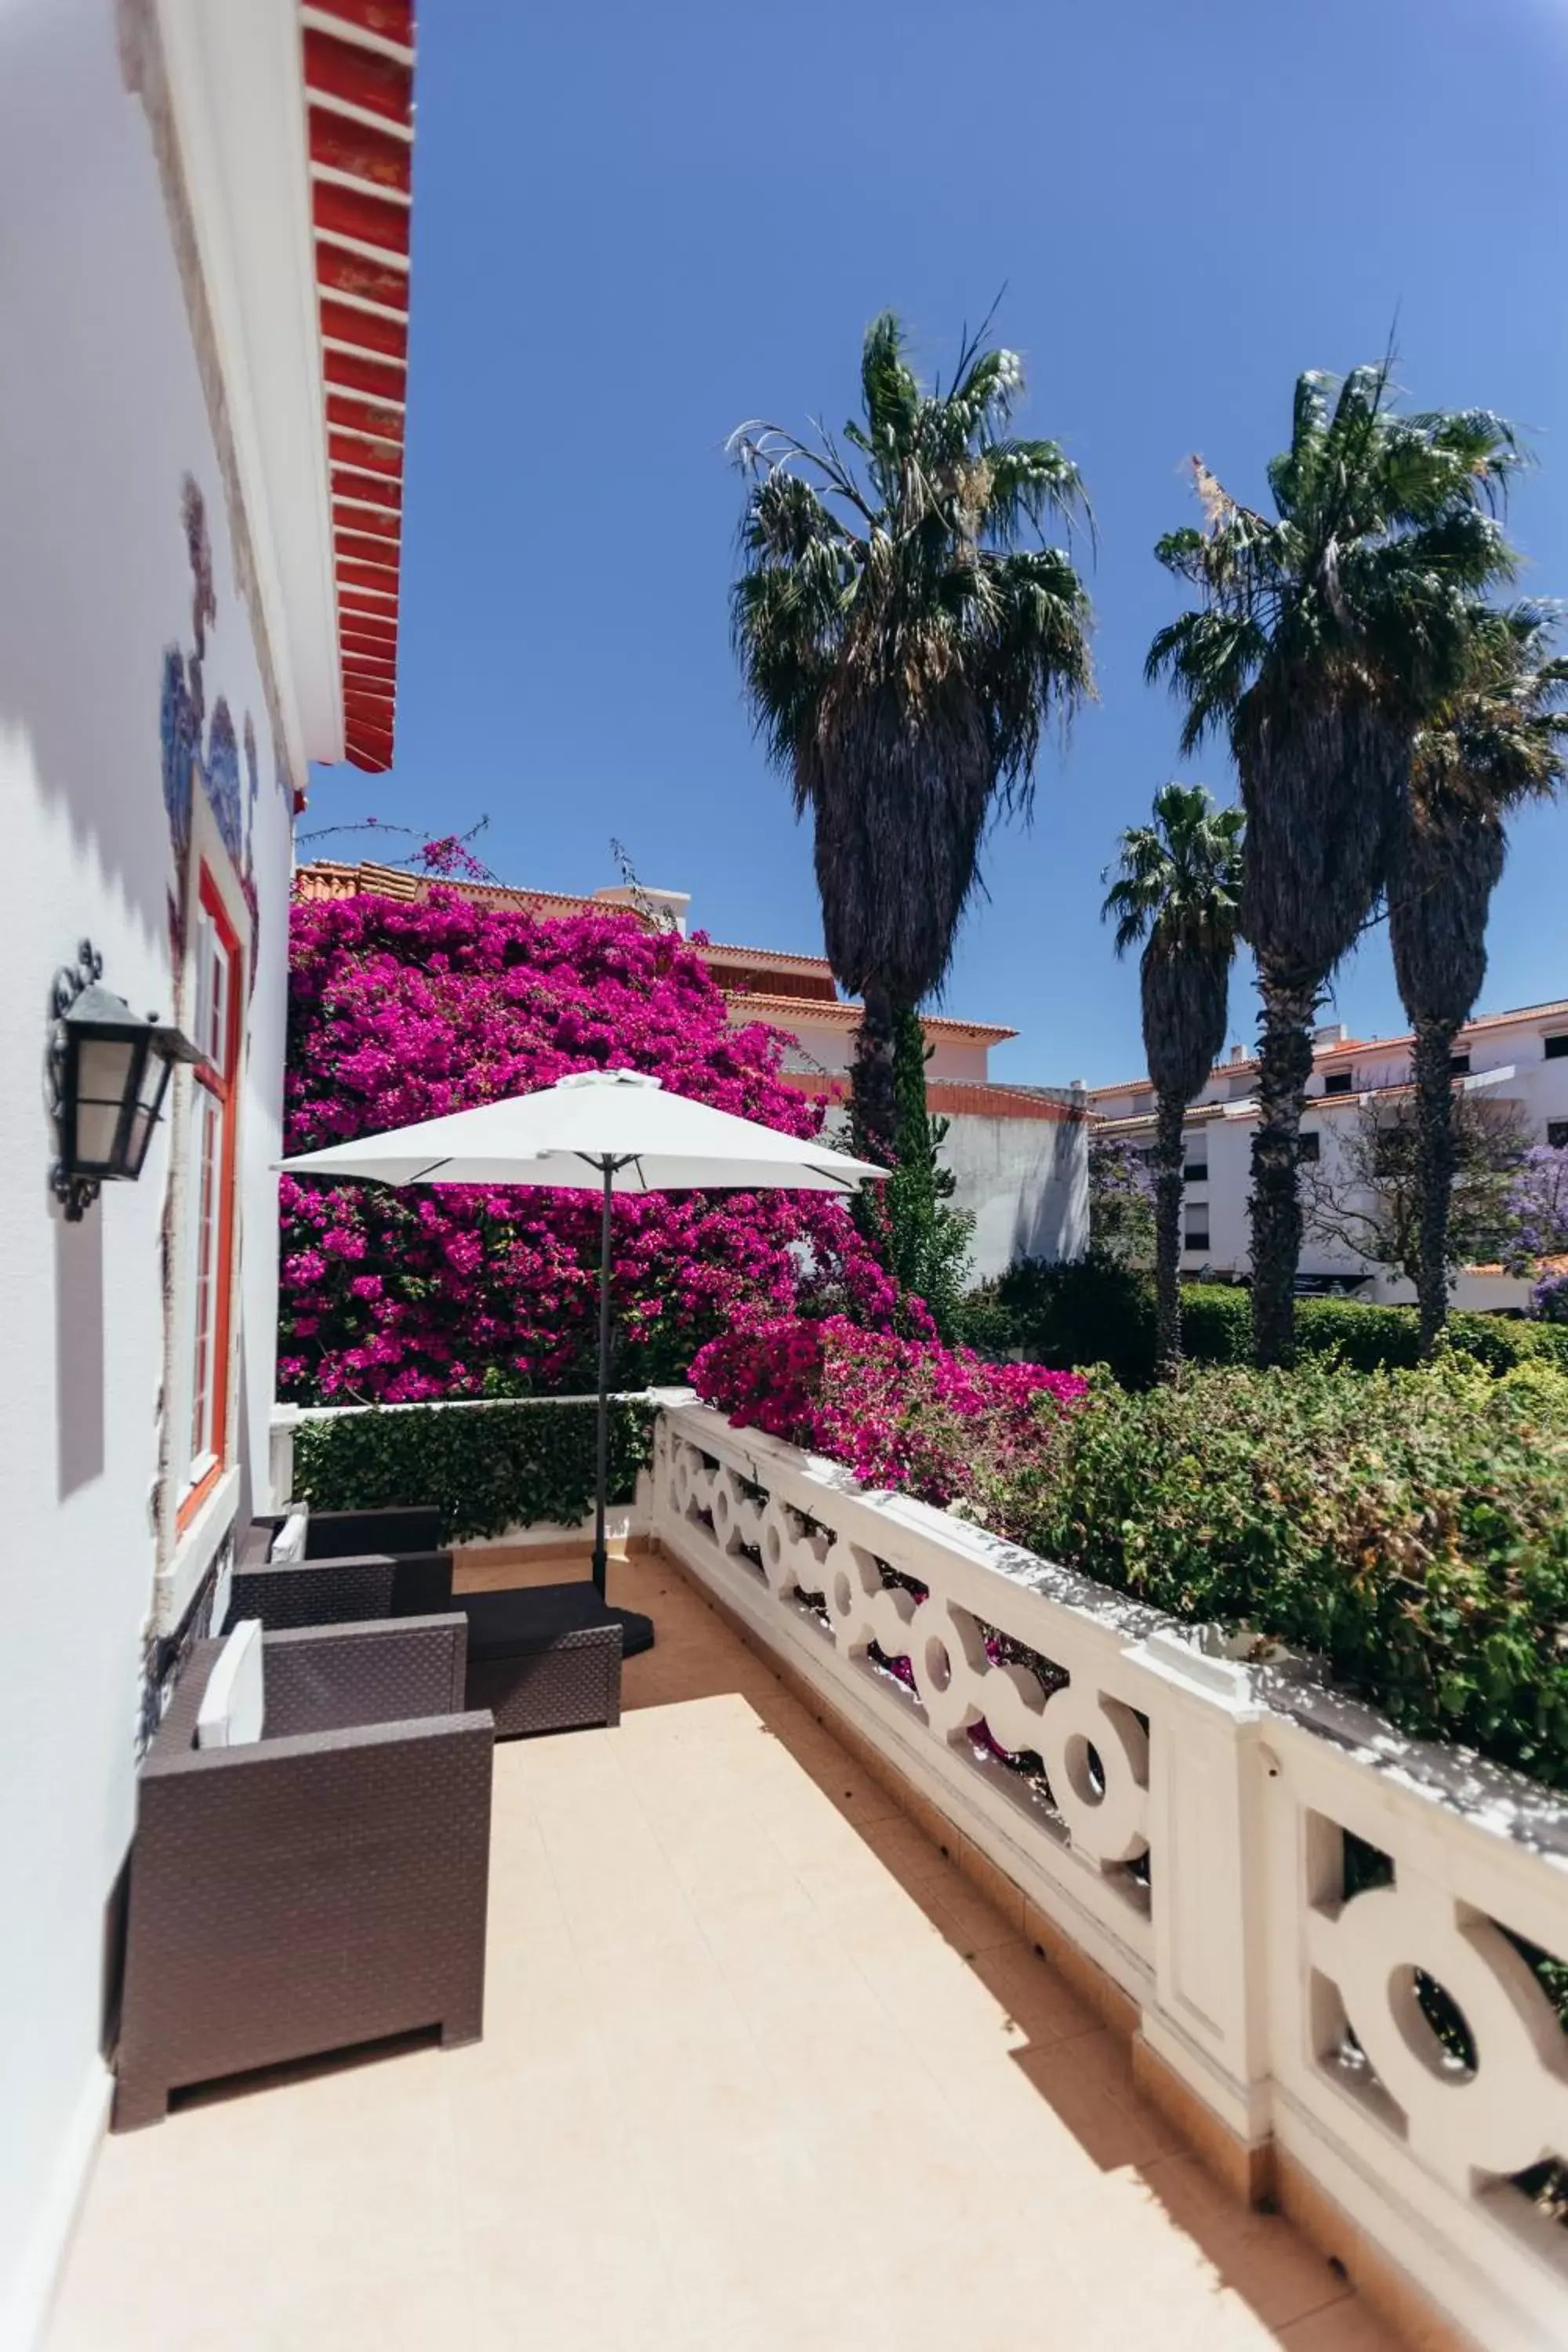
931, 1421
402, 1011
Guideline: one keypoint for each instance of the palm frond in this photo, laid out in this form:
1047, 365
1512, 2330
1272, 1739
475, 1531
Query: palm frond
904, 635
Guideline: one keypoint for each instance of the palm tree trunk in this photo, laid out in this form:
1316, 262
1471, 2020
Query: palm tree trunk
1170, 1156
873, 1093
1435, 1162
1284, 1065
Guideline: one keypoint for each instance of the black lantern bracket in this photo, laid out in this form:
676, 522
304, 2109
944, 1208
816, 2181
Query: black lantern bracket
107, 1073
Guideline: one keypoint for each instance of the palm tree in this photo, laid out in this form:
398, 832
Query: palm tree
1177, 886
903, 648
1326, 636
1501, 739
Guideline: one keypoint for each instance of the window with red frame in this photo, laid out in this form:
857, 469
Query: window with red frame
202, 1423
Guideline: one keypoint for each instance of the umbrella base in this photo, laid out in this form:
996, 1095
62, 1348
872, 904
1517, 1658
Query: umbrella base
637, 1631
500, 1623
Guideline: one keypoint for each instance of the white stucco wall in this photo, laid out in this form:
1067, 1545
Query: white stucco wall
1026, 1180
963, 1058
102, 414
830, 1045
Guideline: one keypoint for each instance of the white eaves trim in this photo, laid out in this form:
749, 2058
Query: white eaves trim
237, 89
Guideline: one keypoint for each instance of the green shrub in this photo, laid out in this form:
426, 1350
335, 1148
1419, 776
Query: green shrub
485, 1467
1217, 1323
1411, 1528
1500, 1342
979, 1320
1095, 1311
1090, 1310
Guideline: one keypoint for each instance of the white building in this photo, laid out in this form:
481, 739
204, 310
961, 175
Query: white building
203, 279
1518, 1058
1020, 1153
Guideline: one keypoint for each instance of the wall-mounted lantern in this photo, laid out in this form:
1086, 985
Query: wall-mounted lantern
109, 1071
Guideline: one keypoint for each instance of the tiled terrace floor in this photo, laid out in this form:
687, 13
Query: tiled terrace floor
761, 2072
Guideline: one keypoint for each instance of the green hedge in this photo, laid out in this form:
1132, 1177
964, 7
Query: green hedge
1094, 1311
1411, 1528
1217, 1329
485, 1467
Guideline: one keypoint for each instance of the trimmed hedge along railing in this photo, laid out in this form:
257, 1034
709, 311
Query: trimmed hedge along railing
485, 1467
1410, 1528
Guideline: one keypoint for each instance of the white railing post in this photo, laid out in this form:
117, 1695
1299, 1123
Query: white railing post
1208, 2019
281, 1455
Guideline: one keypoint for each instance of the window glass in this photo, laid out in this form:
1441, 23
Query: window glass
1338, 1082
1557, 1047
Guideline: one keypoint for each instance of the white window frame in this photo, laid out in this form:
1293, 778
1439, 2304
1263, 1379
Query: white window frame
199, 1499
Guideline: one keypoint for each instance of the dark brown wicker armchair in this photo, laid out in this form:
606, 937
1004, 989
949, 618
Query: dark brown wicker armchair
322, 1887
541, 1657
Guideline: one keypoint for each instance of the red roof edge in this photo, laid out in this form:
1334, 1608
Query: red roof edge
360, 75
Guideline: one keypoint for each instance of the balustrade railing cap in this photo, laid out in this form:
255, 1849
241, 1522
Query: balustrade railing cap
1197, 1657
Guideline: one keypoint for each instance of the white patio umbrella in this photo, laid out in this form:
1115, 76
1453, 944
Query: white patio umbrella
599, 1130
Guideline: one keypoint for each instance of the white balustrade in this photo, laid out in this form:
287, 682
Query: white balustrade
1187, 1826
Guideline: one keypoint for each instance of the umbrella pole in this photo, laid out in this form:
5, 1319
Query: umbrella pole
601, 1479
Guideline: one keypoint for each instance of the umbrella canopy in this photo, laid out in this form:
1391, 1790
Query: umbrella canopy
604, 1132
567, 1136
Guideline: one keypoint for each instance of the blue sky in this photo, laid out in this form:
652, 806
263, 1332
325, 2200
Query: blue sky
635, 227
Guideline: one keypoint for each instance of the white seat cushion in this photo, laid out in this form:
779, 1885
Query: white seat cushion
234, 1702
289, 1543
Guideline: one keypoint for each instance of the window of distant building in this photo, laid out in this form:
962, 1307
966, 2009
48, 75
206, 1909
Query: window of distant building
1196, 1171
1557, 1134
1309, 1147
201, 1409
1196, 1233
1339, 1082
1459, 1065
1557, 1047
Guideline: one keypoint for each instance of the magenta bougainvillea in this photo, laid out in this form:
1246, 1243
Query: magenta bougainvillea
931, 1421
403, 1012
